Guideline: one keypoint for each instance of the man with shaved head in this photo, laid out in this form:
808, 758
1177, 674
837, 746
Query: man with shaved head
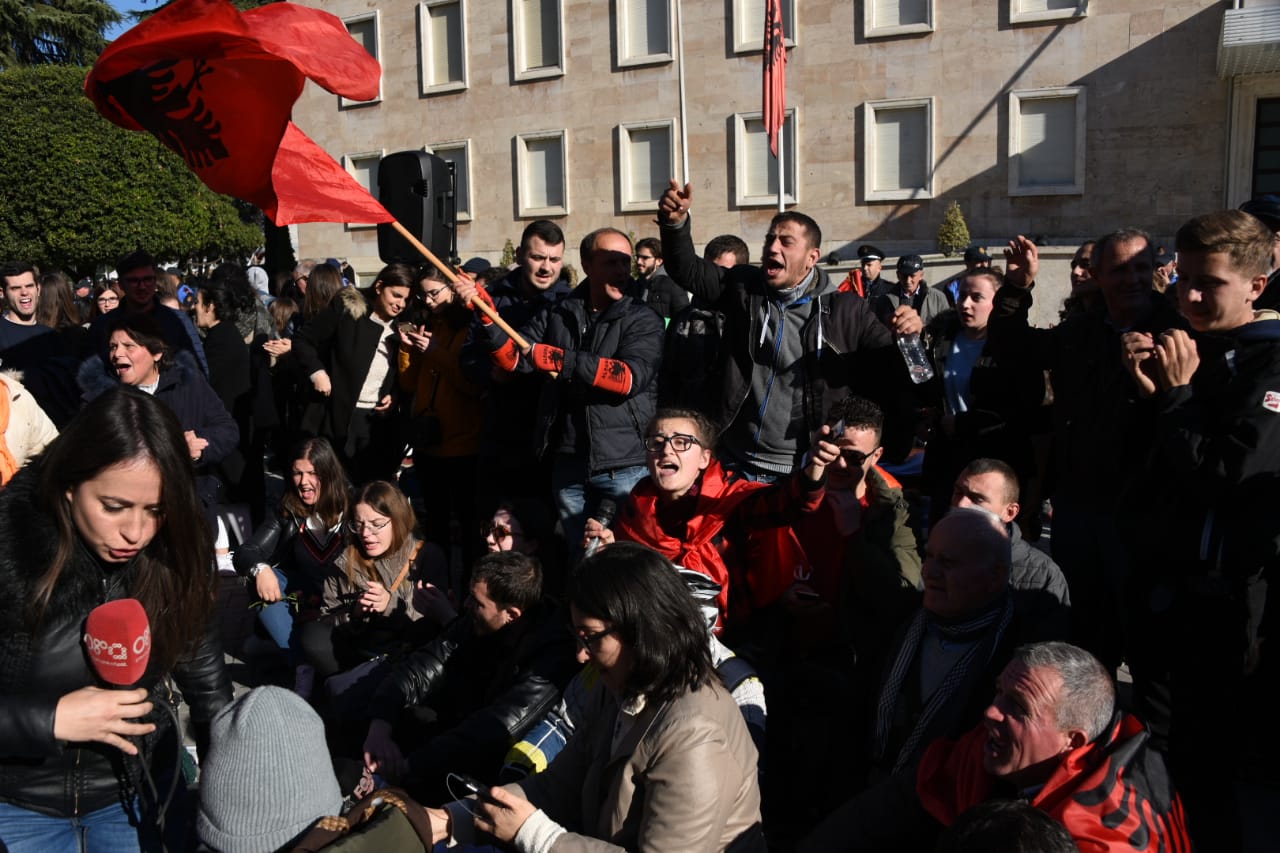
937, 676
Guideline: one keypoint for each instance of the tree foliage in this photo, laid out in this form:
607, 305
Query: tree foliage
953, 233
62, 32
80, 192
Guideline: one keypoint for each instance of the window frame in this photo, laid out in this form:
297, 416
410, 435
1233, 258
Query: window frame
1018, 16
624, 161
872, 31
743, 43
374, 15
348, 164
425, 54
620, 36
451, 145
870, 110
520, 69
790, 152
523, 210
1016, 97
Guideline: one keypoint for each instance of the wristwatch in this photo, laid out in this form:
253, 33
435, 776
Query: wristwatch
257, 567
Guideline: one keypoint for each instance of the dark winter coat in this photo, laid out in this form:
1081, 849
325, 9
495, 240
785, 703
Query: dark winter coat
626, 331
846, 349
341, 340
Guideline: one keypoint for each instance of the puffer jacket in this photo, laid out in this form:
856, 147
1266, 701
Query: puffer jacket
37, 771
626, 331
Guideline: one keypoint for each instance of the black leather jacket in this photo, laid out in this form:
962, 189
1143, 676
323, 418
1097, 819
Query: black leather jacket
37, 771
487, 690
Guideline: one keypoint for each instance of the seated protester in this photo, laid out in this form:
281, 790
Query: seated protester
586, 696
138, 355
669, 765
728, 528
267, 779
528, 525
983, 406
945, 656
24, 427
368, 611
292, 553
489, 677
1052, 737
861, 550
1040, 595
1010, 826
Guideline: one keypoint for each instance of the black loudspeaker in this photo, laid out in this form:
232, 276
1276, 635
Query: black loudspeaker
417, 189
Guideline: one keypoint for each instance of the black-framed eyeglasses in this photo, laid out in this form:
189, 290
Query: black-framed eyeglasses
591, 642
434, 294
361, 526
140, 279
854, 457
679, 442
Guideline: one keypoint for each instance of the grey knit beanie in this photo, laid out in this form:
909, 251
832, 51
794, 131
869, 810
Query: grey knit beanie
268, 776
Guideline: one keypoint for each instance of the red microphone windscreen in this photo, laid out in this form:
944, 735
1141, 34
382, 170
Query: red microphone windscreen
118, 637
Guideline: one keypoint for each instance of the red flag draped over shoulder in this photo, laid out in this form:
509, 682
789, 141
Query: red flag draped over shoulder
775, 73
217, 87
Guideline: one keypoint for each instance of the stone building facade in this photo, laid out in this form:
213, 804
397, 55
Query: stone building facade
1056, 118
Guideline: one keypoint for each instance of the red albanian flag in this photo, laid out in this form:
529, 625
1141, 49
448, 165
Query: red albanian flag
775, 73
217, 87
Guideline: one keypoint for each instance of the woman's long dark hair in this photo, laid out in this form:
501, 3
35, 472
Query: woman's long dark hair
172, 575
332, 506
638, 593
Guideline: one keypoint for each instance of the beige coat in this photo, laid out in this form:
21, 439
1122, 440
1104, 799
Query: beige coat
30, 429
684, 778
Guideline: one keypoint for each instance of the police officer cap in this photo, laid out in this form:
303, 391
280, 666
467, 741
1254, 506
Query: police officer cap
868, 252
1266, 208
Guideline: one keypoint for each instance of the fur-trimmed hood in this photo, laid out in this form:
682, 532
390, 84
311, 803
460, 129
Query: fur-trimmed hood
354, 302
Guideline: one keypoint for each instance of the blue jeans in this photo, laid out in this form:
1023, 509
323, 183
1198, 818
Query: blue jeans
277, 618
743, 470
26, 831
578, 494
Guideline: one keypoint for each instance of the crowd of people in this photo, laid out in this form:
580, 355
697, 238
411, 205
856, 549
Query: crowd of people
792, 574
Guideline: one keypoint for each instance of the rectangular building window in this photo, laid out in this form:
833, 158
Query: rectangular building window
756, 173
898, 162
897, 17
364, 29
364, 168
541, 170
644, 32
646, 157
459, 154
1266, 148
443, 35
537, 44
748, 24
1046, 141
1031, 11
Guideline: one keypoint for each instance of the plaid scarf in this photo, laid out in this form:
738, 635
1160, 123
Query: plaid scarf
977, 655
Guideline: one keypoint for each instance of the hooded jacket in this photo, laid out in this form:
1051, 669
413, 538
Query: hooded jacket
37, 771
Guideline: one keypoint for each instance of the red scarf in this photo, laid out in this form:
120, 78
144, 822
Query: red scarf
773, 554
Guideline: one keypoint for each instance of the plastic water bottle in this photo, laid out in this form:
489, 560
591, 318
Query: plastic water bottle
912, 349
